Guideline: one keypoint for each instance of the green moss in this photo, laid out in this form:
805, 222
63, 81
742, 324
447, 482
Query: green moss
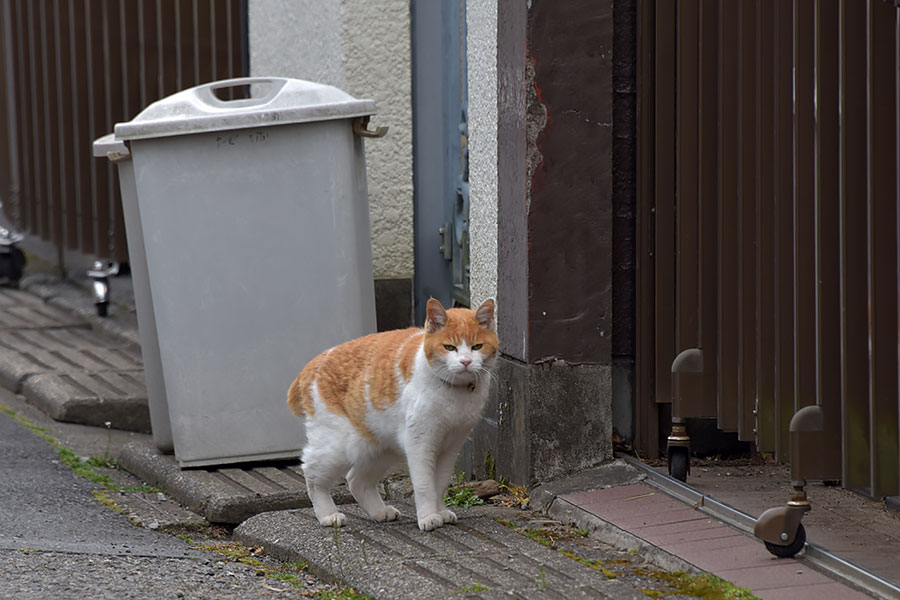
343, 594
102, 497
705, 586
237, 552
594, 564
474, 589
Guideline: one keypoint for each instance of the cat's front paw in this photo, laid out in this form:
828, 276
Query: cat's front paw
448, 516
333, 520
431, 522
389, 513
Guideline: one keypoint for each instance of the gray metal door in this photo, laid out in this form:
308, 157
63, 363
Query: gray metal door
440, 150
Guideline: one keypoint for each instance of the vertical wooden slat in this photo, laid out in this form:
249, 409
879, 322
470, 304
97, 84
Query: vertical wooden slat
747, 223
185, 36
22, 213
665, 199
828, 340
47, 64
784, 228
882, 193
203, 44
646, 411
65, 198
687, 218
108, 52
804, 204
708, 140
765, 226
84, 165
6, 108
854, 303
36, 189
167, 30
93, 74
728, 217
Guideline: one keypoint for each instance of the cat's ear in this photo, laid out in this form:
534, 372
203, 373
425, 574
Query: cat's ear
435, 316
484, 314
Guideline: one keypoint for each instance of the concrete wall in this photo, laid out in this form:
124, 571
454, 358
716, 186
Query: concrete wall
362, 47
481, 45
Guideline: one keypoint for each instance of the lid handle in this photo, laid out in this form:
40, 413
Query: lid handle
206, 92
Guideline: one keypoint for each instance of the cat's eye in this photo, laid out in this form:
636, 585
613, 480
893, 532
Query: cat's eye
449, 348
477, 346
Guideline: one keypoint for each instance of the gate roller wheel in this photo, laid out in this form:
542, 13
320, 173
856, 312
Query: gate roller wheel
789, 550
679, 463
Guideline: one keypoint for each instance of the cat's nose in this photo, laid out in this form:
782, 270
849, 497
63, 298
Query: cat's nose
465, 361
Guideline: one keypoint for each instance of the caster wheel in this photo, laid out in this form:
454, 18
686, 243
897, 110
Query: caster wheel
102, 308
679, 463
792, 549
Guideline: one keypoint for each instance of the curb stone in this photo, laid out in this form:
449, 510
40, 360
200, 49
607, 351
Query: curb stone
476, 557
228, 495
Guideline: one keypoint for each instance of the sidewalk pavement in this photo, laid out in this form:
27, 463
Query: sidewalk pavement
78, 367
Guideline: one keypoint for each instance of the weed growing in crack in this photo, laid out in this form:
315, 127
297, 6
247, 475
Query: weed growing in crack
461, 494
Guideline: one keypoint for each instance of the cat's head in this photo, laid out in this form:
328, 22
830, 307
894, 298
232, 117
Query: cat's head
460, 343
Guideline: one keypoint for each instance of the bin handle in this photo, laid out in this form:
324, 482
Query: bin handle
205, 92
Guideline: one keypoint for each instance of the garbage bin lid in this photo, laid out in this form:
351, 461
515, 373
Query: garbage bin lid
107, 144
274, 101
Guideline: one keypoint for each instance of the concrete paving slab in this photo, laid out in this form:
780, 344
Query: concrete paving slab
478, 557
91, 399
223, 495
68, 370
21, 310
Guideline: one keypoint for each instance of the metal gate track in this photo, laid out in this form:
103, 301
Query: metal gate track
814, 555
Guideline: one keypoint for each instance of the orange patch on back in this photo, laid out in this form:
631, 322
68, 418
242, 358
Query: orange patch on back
407, 358
345, 373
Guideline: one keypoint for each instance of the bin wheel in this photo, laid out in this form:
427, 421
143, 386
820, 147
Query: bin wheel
679, 463
102, 308
791, 549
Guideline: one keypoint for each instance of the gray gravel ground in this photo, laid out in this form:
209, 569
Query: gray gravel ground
58, 541
43, 575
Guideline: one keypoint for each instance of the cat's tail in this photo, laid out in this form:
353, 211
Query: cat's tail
295, 399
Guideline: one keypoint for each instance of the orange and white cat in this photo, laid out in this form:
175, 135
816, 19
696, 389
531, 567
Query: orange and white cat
412, 394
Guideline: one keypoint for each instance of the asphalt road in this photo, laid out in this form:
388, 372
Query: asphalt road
57, 541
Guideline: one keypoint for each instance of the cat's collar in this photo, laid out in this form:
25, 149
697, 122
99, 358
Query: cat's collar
469, 386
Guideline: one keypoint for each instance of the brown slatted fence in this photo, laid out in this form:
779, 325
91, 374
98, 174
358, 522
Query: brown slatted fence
74, 68
769, 225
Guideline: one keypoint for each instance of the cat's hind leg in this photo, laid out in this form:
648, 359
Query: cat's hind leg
322, 473
363, 478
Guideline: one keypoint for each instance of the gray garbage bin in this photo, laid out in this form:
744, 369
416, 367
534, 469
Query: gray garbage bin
116, 151
255, 225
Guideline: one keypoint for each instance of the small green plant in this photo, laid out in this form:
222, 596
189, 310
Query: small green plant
542, 579
461, 494
490, 466
474, 589
519, 493
186, 538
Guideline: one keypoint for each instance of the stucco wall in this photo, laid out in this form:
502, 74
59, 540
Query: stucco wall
362, 47
481, 45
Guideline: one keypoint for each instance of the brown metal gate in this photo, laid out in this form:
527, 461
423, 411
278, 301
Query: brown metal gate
71, 69
768, 229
